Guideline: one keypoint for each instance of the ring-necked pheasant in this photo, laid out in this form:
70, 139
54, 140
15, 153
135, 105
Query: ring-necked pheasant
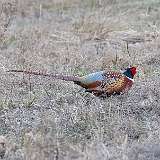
103, 83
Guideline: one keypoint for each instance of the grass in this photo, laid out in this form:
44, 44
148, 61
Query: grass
42, 118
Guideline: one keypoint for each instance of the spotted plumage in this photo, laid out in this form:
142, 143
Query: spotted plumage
103, 83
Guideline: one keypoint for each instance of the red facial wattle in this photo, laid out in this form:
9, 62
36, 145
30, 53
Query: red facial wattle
133, 70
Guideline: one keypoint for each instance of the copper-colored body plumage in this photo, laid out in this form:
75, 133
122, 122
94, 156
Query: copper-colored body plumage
113, 83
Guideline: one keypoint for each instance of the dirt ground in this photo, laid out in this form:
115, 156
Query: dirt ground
46, 119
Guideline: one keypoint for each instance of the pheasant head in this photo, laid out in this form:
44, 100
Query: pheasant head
130, 72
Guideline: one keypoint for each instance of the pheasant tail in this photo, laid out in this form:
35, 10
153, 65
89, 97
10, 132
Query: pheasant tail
55, 76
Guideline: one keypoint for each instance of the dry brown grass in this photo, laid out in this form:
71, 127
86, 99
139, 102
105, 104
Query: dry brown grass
45, 119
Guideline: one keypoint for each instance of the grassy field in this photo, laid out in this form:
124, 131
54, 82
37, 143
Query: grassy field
46, 119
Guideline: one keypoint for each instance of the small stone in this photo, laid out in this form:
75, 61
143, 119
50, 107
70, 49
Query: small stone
2, 146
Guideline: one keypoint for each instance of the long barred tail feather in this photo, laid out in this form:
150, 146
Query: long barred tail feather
55, 76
